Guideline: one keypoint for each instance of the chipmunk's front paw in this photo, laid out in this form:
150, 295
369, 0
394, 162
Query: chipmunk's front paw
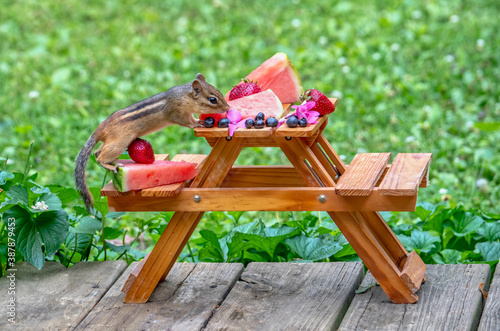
199, 124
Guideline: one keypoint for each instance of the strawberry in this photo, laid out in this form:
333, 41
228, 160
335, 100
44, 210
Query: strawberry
140, 151
216, 117
323, 104
244, 89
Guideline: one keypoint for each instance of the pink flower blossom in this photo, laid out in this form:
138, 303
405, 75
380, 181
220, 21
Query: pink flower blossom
234, 117
303, 111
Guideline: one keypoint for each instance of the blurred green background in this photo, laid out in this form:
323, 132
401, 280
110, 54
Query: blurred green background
411, 76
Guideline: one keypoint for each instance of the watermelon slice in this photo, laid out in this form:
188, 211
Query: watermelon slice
279, 75
266, 102
138, 176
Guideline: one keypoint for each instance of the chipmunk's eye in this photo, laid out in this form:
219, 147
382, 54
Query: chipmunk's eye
213, 100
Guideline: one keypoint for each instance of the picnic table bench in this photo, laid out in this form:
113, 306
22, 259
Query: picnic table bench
316, 180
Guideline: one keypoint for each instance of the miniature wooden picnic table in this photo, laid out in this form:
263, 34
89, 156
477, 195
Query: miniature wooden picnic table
316, 180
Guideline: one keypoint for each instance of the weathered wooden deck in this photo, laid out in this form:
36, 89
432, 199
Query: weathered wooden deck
264, 296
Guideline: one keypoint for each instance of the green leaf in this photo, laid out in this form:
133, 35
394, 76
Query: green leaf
213, 250
82, 242
28, 239
490, 251
51, 201
487, 126
447, 256
18, 194
465, 223
117, 249
65, 194
421, 241
364, 288
313, 248
53, 227
4, 175
112, 233
490, 231
88, 225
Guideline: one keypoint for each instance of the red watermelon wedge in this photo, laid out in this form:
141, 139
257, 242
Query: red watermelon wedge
137, 176
279, 75
266, 102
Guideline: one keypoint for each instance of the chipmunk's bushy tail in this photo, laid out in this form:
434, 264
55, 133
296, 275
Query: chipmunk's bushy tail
80, 163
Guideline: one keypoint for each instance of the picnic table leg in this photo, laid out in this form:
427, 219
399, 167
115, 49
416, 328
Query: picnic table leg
160, 261
398, 273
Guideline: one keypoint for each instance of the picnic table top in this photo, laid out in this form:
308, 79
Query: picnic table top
262, 296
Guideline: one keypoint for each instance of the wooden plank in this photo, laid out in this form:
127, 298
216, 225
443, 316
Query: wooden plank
362, 174
289, 296
449, 300
55, 297
185, 301
406, 173
308, 131
239, 133
264, 199
413, 271
263, 176
490, 319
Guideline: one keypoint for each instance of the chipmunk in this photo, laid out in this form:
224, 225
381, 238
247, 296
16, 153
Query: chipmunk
174, 106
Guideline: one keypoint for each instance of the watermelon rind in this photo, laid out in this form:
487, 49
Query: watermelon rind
272, 72
118, 178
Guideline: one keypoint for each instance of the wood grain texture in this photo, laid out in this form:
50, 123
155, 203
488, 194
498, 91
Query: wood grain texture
308, 131
362, 174
57, 298
263, 176
490, 320
406, 173
263, 199
449, 300
185, 301
289, 296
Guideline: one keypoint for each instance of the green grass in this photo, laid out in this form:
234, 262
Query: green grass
413, 77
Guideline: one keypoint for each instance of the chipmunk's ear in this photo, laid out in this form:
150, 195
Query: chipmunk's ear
196, 88
201, 77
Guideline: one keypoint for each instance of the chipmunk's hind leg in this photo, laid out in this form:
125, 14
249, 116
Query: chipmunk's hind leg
109, 153
98, 151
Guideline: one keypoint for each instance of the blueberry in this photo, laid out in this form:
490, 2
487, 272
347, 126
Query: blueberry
249, 123
303, 122
209, 122
260, 116
223, 123
272, 122
259, 124
292, 121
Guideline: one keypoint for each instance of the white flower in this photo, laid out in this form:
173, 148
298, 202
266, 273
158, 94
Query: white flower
342, 60
296, 23
342, 156
33, 94
427, 108
323, 40
443, 191
395, 47
346, 69
480, 44
469, 124
376, 56
449, 58
410, 139
40, 205
454, 18
336, 94
481, 183
416, 14
361, 150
